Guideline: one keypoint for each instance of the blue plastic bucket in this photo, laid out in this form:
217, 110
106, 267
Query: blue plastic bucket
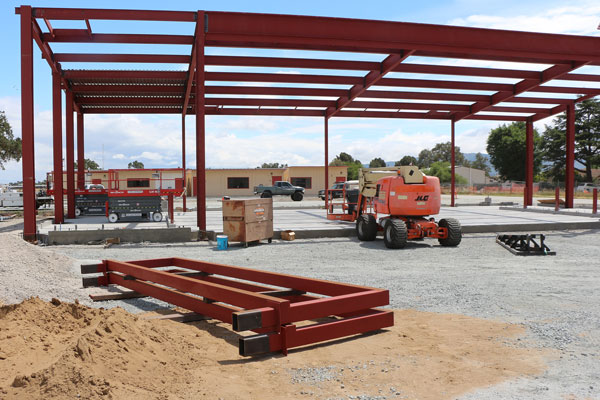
222, 242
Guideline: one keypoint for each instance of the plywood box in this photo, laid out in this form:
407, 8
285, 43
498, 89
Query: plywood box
248, 220
288, 235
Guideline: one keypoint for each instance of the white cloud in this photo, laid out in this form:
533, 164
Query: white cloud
580, 19
119, 156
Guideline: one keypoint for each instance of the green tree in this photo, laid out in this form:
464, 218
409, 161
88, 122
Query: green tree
481, 162
345, 159
406, 160
443, 152
425, 158
377, 162
10, 148
442, 170
135, 165
506, 147
587, 141
273, 165
89, 165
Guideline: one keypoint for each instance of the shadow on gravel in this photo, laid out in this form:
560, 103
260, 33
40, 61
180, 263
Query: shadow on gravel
11, 228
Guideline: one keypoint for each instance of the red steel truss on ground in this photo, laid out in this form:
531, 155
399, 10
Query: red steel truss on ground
395, 86
264, 302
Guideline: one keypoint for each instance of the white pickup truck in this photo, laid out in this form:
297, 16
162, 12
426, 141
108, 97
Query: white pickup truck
586, 187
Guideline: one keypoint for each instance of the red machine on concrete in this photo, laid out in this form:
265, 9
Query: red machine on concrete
398, 201
126, 194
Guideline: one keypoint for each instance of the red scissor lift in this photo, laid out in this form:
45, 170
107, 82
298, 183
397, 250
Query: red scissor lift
267, 303
136, 197
142, 200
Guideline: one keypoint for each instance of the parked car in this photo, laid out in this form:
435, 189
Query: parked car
586, 187
335, 194
280, 188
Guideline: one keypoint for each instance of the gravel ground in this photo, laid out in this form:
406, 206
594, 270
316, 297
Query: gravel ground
555, 297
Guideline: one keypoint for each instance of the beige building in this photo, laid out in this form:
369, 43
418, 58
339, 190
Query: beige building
472, 175
241, 182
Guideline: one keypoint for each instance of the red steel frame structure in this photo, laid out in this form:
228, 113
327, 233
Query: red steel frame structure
377, 92
264, 302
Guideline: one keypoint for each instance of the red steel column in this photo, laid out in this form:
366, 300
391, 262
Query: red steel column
59, 210
529, 163
570, 168
70, 157
327, 155
452, 168
183, 162
28, 155
200, 145
80, 152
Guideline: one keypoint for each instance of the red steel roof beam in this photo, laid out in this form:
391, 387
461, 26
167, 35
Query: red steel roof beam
338, 32
87, 101
128, 89
81, 36
82, 74
218, 101
524, 86
372, 78
561, 108
133, 15
123, 58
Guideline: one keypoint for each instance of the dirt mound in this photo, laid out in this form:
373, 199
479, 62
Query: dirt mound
59, 350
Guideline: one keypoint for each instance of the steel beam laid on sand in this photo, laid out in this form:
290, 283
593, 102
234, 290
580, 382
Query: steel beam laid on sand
266, 303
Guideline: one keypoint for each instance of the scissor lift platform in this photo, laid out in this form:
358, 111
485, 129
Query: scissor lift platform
266, 303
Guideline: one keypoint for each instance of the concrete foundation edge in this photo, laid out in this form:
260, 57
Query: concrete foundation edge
166, 235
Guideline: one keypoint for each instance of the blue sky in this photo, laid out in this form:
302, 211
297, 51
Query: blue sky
115, 140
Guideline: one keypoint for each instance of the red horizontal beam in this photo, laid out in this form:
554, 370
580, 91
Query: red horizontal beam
124, 74
123, 58
274, 91
400, 35
77, 36
280, 62
569, 90
129, 89
280, 78
486, 117
132, 110
308, 63
113, 100
407, 106
519, 109
218, 101
580, 77
133, 15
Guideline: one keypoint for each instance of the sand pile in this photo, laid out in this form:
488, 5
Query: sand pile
59, 350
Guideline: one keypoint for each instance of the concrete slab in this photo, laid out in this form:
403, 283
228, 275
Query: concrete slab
309, 223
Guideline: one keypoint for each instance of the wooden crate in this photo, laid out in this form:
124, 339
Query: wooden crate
248, 220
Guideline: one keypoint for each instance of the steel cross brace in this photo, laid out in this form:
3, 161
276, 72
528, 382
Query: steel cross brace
253, 300
523, 86
374, 76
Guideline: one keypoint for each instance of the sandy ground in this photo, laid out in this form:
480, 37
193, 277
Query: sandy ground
59, 350
473, 322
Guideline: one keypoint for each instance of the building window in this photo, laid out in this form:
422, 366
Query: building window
138, 183
238, 183
302, 182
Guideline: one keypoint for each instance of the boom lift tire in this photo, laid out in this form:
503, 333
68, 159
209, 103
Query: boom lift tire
366, 228
297, 196
266, 195
77, 212
113, 217
454, 232
395, 234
